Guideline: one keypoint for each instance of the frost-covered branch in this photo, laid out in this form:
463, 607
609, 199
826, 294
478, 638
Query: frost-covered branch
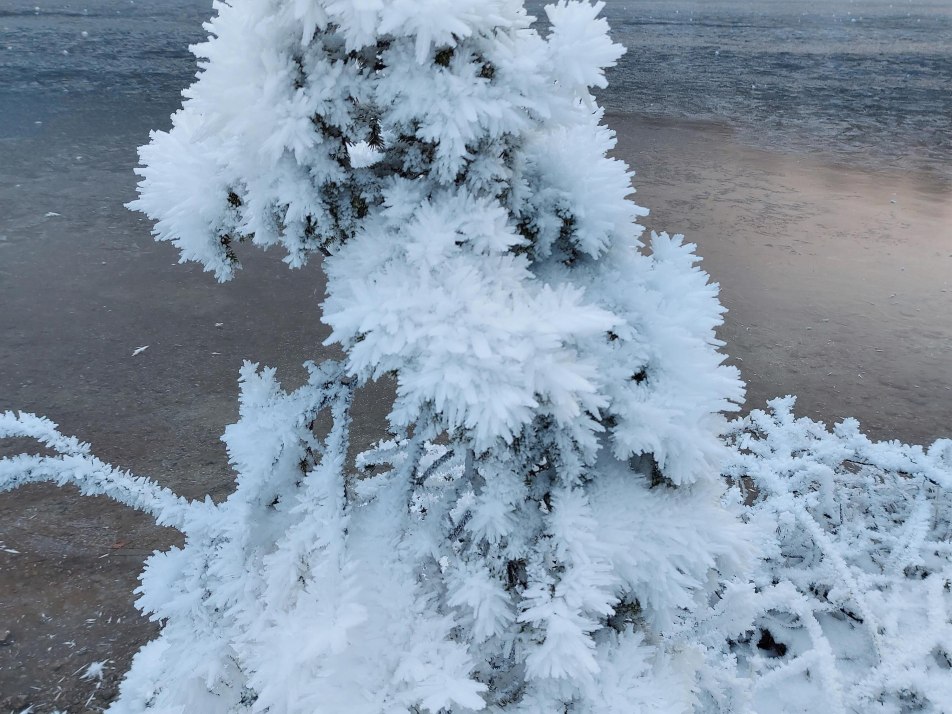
73, 465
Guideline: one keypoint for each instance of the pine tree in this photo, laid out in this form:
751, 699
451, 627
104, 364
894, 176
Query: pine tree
547, 515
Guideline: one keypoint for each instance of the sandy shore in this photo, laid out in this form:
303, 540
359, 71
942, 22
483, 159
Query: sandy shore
839, 284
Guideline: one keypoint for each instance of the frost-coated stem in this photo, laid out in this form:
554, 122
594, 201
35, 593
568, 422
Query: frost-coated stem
338, 440
74, 466
414, 454
784, 596
856, 591
43, 430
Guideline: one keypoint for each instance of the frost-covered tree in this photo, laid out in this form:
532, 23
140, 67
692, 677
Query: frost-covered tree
546, 523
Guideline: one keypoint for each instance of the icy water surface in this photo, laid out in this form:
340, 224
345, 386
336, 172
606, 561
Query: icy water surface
869, 81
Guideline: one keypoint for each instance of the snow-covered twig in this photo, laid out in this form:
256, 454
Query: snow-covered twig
73, 465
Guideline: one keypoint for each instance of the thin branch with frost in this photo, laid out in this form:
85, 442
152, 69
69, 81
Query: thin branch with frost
73, 465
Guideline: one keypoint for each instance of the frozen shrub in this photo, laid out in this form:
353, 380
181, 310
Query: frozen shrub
851, 599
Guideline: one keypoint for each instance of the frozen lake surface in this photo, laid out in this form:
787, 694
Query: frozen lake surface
868, 81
